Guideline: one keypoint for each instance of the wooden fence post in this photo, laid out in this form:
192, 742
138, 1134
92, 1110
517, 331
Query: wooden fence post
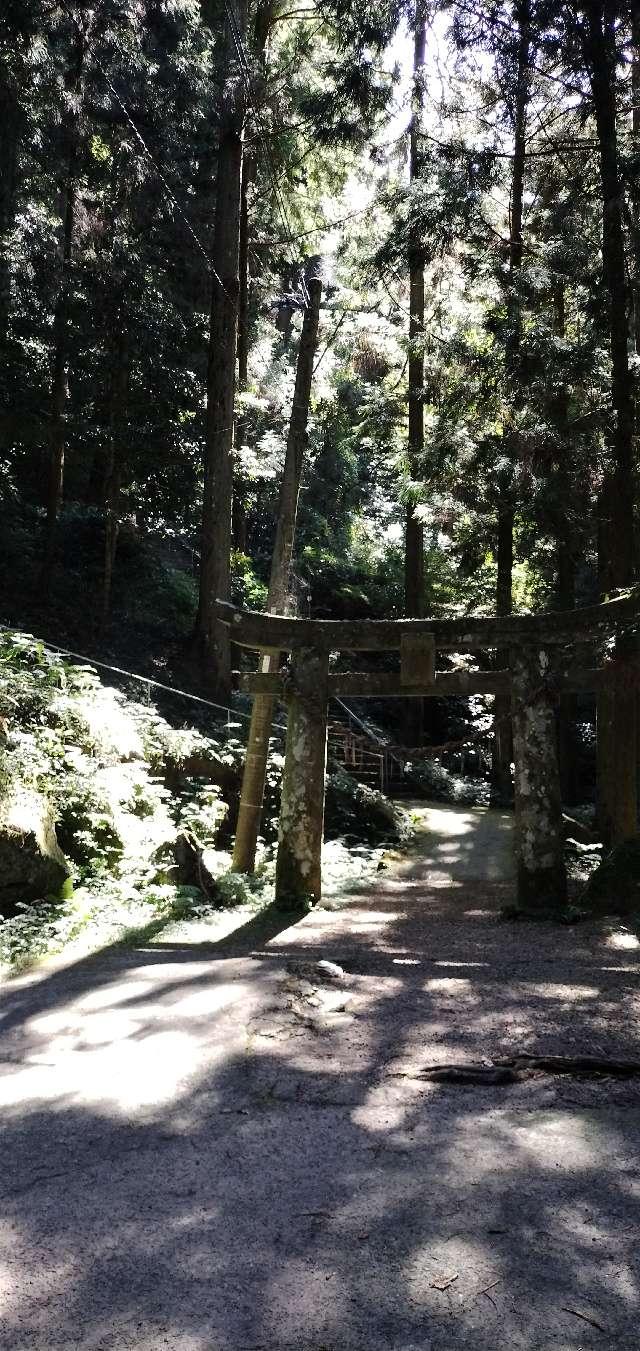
542, 881
299, 862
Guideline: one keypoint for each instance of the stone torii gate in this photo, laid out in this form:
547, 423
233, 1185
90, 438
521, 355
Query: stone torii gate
538, 646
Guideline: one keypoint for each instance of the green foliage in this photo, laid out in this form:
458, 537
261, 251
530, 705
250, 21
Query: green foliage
102, 762
614, 887
36, 930
362, 813
248, 590
233, 889
86, 829
200, 809
438, 783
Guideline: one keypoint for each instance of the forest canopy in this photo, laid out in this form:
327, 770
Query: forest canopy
463, 178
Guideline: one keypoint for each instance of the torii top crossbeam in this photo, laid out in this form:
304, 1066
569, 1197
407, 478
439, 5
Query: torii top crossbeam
563, 627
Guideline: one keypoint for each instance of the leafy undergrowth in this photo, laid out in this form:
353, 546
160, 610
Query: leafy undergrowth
434, 781
583, 851
582, 861
124, 786
613, 886
100, 914
356, 811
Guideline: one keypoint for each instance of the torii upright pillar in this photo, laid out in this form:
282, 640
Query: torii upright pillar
542, 878
299, 862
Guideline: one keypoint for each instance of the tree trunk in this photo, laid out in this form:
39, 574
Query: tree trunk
117, 403
11, 124
215, 566
568, 703
635, 232
617, 719
635, 183
95, 491
605, 767
61, 335
262, 712
414, 529
502, 753
565, 597
414, 541
248, 168
502, 750
262, 25
239, 519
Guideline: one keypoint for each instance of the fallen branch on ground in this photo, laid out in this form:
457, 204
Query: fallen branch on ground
513, 1069
585, 1318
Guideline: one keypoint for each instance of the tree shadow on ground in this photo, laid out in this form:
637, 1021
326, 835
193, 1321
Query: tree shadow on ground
190, 1164
144, 946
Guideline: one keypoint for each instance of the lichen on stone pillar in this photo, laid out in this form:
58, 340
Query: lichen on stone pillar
542, 882
299, 862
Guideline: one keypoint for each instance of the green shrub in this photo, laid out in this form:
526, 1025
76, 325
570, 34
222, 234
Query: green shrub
86, 829
200, 809
36, 930
614, 887
354, 809
248, 590
432, 780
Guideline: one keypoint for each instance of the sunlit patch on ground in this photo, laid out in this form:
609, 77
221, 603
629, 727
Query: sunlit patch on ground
206, 1147
624, 941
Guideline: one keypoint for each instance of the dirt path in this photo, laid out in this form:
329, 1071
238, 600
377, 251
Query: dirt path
463, 844
202, 1152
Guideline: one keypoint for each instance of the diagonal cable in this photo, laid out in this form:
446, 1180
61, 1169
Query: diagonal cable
248, 83
165, 183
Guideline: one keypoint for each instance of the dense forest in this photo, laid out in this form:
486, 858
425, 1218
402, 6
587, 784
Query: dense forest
319, 675
332, 310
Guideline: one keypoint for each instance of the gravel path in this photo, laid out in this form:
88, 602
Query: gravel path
209, 1148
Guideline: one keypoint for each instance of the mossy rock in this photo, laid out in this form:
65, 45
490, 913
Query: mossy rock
614, 887
32, 865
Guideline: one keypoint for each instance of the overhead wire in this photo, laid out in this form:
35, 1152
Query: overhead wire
146, 680
162, 177
289, 237
328, 225
245, 71
280, 202
279, 198
330, 341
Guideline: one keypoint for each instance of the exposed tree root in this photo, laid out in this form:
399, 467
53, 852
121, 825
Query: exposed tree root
512, 1069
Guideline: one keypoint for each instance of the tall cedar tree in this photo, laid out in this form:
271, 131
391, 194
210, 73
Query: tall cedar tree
597, 27
215, 554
